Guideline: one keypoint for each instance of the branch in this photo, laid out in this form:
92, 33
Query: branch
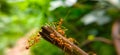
116, 35
97, 39
51, 35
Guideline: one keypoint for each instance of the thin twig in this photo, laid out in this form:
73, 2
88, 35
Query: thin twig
101, 39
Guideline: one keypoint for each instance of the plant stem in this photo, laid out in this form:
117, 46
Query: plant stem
61, 41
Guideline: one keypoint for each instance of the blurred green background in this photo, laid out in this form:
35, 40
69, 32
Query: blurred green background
84, 19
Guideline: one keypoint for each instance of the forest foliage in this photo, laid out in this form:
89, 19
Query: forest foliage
83, 19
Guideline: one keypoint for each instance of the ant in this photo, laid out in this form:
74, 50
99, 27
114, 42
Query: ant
56, 39
59, 28
33, 40
60, 42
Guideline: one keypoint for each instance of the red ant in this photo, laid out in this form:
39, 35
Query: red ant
33, 40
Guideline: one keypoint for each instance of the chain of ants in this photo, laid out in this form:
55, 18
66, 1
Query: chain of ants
60, 41
32, 41
35, 39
